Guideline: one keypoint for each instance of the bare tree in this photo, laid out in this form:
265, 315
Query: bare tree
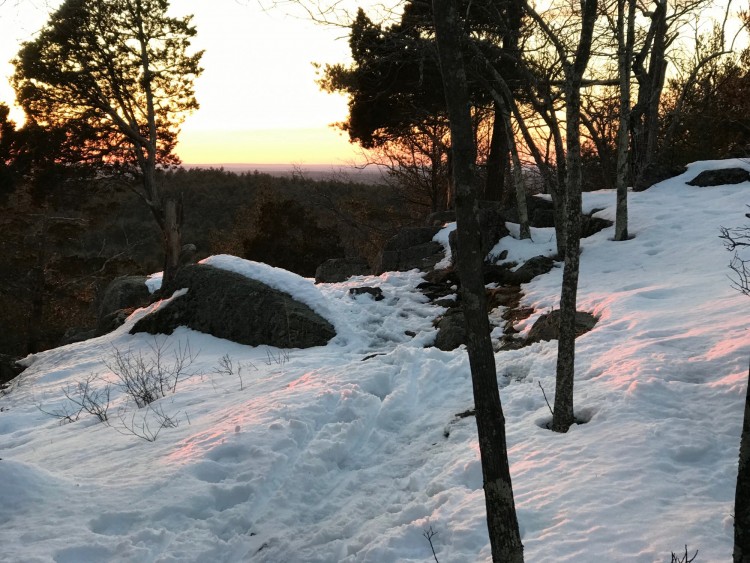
625, 31
574, 65
502, 522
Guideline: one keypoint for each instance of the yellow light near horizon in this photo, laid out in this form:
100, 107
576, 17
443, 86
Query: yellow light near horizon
270, 146
259, 102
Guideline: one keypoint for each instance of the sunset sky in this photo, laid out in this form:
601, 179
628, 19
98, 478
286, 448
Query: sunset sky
259, 101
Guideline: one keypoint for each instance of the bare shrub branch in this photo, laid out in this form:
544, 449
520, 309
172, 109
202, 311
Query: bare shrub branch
279, 358
227, 367
89, 399
83, 397
685, 558
735, 240
146, 378
428, 535
146, 424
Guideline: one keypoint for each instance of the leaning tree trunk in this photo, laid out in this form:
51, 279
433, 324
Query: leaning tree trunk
502, 523
741, 552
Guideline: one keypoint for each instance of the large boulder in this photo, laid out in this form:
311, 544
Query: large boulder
231, 306
547, 327
591, 225
126, 292
336, 270
721, 177
540, 210
409, 249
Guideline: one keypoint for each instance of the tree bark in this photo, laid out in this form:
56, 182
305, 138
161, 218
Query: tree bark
502, 523
518, 187
625, 41
497, 160
563, 416
645, 114
741, 553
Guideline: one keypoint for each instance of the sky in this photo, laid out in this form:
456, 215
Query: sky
259, 101
350, 451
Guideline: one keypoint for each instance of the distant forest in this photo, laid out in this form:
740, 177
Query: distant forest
62, 244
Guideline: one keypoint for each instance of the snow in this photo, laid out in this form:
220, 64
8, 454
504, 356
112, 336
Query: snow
350, 451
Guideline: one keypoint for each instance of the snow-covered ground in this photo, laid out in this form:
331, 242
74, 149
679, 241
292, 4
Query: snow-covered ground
349, 452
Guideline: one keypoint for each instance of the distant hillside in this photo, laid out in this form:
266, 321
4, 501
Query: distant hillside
345, 173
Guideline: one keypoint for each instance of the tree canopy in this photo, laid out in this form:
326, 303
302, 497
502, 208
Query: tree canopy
117, 78
115, 74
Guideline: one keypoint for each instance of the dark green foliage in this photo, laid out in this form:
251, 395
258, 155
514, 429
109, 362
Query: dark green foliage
394, 83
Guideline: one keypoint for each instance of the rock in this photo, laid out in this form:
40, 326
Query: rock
451, 330
231, 306
656, 172
532, 268
506, 296
126, 292
435, 291
721, 177
547, 327
592, 225
9, 368
440, 218
540, 210
375, 292
77, 334
409, 249
336, 270
439, 284
114, 320
499, 274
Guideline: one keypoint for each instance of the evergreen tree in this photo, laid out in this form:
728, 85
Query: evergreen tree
117, 77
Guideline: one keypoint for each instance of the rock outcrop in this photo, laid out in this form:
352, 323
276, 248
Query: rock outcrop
409, 249
547, 327
720, 177
229, 305
123, 293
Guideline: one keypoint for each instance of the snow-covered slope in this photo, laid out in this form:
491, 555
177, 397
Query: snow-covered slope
350, 452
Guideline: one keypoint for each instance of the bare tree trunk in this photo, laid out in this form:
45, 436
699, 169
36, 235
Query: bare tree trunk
502, 523
497, 160
645, 115
563, 411
625, 40
741, 552
523, 212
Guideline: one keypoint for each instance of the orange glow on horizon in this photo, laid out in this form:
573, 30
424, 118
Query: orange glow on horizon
269, 146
